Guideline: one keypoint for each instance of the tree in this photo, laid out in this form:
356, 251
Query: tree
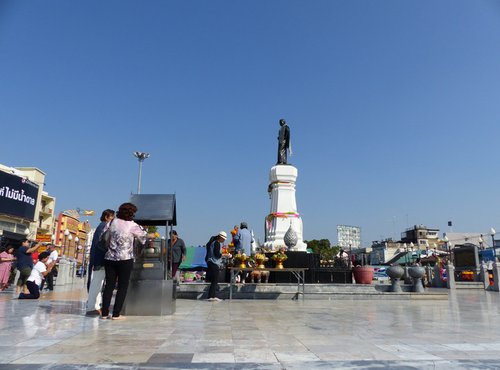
323, 247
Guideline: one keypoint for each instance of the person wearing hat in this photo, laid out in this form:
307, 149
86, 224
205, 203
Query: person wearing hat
213, 259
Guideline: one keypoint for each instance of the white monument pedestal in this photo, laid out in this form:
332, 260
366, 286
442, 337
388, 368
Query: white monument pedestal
283, 213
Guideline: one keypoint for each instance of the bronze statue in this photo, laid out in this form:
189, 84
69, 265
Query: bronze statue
283, 142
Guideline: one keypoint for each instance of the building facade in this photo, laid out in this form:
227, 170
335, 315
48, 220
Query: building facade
26, 210
72, 234
383, 251
349, 237
421, 236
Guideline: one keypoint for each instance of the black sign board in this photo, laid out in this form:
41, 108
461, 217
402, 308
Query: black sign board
17, 196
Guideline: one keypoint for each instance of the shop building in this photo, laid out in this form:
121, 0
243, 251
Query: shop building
26, 210
72, 234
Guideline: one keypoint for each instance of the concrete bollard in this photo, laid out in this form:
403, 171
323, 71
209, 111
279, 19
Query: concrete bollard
450, 276
496, 277
484, 276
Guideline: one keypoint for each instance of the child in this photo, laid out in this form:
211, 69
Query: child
6, 259
35, 279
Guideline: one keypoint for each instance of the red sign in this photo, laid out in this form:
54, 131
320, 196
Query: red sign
43, 238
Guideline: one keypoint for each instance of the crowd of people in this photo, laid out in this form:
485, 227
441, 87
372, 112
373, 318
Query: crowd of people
24, 258
111, 261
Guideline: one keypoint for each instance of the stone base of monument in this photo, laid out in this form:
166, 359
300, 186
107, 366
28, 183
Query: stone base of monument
312, 291
150, 298
283, 212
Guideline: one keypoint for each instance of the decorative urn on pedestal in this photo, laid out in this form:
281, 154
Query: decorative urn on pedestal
241, 260
260, 259
279, 257
395, 273
417, 273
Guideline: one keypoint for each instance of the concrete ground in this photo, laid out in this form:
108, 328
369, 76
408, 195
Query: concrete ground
53, 332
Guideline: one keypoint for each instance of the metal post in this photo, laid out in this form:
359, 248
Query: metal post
139, 179
493, 245
141, 156
170, 253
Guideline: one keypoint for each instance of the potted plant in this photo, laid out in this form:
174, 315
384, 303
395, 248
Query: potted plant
241, 259
279, 257
363, 274
259, 259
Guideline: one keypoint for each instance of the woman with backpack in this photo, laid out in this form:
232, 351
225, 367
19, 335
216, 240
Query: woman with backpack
119, 258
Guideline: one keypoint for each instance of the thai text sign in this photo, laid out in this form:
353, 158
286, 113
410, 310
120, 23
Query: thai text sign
42, 238
17, 196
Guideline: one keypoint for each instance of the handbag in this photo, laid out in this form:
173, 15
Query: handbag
105, 239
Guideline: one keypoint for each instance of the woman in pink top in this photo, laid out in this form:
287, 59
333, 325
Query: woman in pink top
6, 259
119, 258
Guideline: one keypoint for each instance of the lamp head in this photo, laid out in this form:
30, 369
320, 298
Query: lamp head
141, 156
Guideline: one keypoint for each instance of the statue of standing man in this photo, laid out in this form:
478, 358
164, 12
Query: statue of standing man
283, 142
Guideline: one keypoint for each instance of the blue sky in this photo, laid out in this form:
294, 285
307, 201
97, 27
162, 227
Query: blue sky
393, 108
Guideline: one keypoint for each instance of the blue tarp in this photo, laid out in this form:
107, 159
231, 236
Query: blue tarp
195, 257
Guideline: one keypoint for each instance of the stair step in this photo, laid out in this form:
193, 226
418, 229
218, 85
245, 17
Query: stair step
469, 285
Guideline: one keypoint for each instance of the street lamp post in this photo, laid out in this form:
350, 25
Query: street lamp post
76, 247
446, 242
492, 233
66, 234
141, 156
70, 238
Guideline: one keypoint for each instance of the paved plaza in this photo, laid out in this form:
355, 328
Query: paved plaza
461, 333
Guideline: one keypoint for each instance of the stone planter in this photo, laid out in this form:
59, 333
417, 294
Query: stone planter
395, 273
363, 274
417, 273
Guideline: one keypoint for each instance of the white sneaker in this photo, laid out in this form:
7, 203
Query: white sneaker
217, 299
211, 299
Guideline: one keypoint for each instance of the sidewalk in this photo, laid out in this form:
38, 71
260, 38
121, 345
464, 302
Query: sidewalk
460, 333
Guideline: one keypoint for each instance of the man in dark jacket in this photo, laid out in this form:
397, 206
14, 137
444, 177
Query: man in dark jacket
214, 259
96, 266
